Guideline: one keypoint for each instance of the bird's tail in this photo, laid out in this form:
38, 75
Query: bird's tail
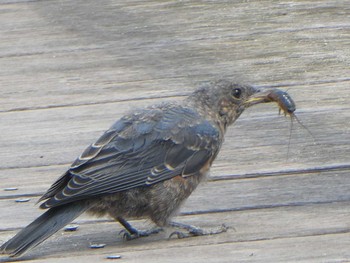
42, 228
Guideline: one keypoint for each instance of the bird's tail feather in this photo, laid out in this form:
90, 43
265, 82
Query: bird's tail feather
42, 228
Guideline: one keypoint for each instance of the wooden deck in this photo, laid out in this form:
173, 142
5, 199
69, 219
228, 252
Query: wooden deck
69, 69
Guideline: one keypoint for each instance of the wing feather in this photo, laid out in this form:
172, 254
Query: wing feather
139, 150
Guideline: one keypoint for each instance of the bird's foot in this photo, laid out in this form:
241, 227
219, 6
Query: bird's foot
139, 233
130, 233
195, 231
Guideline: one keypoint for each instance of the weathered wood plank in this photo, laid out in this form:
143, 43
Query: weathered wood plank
267, 233
80, 60
257, 142
313, 249
226, 195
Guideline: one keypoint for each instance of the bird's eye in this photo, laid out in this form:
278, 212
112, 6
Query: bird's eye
236, 93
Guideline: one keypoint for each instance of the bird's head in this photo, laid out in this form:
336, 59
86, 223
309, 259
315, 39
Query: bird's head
224, 101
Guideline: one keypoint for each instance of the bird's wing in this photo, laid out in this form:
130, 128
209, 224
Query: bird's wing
139, 150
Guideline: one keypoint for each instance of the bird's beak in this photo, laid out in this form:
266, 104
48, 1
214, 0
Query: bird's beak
282, 98
260, 95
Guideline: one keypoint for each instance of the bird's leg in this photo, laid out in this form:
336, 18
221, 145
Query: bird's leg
132, 233
195, 231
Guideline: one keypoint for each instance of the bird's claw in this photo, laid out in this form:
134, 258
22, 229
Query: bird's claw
196, 231
126, 235
179, 235
139, 233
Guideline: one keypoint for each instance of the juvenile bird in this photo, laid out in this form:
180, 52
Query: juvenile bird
144, 166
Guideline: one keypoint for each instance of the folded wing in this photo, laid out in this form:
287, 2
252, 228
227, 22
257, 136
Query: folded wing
139, 150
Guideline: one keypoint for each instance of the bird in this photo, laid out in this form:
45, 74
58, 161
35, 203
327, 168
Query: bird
144, 166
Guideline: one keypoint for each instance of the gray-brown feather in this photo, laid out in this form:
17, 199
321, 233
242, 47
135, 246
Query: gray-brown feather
157, 202
141, 149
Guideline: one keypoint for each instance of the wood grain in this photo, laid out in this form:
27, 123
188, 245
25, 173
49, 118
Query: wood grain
68, 70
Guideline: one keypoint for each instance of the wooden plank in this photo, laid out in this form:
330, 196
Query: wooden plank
225, 195
297, 233
313, 249
258, 142
82, 61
